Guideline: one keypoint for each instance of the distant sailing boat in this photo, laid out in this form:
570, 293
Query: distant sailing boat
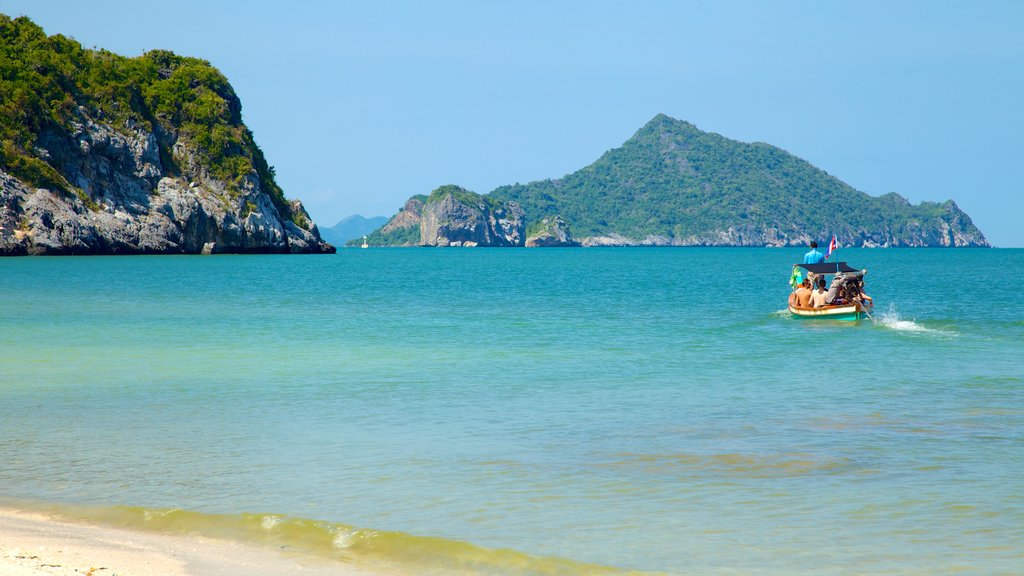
365, 245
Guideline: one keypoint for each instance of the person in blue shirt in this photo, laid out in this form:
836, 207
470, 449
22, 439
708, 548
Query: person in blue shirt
814, 257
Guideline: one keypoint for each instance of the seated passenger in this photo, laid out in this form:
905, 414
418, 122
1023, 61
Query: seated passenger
803, 294
833, 289
818, 296
861, 296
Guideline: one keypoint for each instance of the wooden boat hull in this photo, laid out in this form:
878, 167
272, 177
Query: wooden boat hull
843, 312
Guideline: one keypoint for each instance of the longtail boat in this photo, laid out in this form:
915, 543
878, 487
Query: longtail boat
852, 310
855, 311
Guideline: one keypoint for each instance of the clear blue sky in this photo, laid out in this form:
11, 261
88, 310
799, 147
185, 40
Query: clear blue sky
361, 105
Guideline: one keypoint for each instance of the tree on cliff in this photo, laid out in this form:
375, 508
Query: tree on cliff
44, 80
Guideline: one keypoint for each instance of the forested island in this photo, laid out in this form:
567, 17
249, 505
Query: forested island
672, 184
104, 154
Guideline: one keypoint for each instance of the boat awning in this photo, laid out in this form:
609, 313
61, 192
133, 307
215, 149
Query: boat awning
828, 267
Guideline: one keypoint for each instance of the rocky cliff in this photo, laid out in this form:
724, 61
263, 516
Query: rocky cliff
453, 216
101, 154
550, 232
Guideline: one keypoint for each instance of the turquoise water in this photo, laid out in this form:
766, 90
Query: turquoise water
648, 410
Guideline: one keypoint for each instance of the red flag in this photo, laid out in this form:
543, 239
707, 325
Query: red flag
831, 247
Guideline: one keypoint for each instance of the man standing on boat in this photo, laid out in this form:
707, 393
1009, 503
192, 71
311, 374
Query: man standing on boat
814, 257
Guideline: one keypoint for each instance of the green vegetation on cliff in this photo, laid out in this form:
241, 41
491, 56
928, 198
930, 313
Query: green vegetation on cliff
462, 196
402, 229
44, 80
453, 216
408, 236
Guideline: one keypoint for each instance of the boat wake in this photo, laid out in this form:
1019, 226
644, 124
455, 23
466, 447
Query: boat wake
892, 320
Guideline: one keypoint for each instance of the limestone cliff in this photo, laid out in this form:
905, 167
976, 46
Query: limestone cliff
551, 231
453, 216
101, 154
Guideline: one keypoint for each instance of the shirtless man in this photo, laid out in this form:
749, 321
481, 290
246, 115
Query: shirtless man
802, 296
818, 296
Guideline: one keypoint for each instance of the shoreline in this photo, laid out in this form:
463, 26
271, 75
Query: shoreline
33, 544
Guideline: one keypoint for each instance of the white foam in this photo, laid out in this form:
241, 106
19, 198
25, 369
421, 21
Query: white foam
344, 539
892, 320
150, 515
269, 522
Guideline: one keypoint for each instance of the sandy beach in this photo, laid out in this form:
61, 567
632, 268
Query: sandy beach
33, 544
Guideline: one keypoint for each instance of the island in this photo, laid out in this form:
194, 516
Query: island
672, 184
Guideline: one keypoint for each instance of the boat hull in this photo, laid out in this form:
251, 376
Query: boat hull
843, 312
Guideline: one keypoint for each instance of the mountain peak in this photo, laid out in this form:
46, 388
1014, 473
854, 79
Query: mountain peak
674, 184
664, 124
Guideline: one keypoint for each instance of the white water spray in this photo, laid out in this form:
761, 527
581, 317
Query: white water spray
892, 320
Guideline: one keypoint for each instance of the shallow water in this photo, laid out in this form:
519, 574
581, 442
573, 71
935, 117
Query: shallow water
636, 409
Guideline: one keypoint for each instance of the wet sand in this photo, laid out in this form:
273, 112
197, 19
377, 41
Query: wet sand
34, 544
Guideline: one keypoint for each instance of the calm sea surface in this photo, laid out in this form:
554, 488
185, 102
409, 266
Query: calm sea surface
523, 411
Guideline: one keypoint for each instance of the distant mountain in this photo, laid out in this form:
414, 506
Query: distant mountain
351, 228
674, 185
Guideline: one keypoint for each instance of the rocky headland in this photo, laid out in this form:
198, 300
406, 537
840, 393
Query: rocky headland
453, 216
550, 232
101, 154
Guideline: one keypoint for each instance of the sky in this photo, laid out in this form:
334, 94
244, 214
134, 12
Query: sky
360, 105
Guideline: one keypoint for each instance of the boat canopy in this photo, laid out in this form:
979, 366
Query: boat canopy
828, 268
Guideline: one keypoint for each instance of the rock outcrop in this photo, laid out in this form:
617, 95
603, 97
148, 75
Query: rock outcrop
551, 231
453, 216
110, 155
129, 204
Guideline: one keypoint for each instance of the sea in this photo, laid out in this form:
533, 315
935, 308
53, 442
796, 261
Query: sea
527, 411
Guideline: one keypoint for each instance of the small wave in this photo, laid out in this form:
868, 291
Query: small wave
376, 550
270, 522
893, 320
